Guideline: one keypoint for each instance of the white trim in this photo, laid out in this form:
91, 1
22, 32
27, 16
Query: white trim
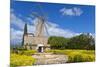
40, 45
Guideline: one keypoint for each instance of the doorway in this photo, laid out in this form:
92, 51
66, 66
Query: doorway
40, 48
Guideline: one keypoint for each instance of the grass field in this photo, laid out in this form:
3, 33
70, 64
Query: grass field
22, 58
25, 57
77, 55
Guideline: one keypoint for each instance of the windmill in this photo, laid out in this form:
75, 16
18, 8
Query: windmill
41, 25
39, 41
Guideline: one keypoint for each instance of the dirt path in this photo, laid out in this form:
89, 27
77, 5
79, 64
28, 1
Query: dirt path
48, 58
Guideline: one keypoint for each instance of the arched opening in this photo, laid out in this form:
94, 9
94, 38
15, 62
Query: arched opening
40, 48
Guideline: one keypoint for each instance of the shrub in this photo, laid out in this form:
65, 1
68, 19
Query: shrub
56, 51
80, 57
77, 55
12, 65
27, 52
24, 52
75, 58
21, 60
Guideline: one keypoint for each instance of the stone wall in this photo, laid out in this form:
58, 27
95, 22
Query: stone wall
31, 42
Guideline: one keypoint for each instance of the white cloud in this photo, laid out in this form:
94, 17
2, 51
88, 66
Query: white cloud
29, 19
19, 23
51, 24
16, 36
53, 29
75, 11
31, 28
93, 35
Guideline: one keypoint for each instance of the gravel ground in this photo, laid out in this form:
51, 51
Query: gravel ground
48, 58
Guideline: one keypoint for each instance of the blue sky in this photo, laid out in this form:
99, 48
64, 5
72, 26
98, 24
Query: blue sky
67, 19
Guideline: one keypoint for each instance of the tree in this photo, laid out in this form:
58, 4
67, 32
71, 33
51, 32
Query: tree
57, 42
25, 33
83, 41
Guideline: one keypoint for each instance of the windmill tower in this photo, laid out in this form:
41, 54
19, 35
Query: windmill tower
37, 41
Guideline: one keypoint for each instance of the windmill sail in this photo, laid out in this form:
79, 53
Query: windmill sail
39, 28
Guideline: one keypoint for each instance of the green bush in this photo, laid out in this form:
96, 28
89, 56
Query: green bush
24, 52
80, 57
76, 58
27, 52
56, 51
21, 60
12, 65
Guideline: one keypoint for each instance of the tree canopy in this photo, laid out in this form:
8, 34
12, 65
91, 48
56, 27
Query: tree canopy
83, 41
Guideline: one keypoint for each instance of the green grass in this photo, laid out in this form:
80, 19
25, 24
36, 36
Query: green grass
21, 60
76, 55
24, 58
27, 52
